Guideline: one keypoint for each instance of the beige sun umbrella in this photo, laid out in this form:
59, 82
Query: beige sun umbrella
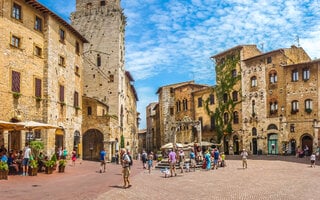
10, 126
170, 145
30, 125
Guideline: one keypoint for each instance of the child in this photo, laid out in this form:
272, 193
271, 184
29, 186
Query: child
313, 160
187, 167
150, 160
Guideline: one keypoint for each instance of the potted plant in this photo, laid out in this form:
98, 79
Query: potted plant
4, 170
49, 166
54, 160
33, 168
62, 165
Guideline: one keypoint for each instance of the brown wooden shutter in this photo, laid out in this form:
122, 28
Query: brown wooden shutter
15, 81
61, 96
76, 99
37, 87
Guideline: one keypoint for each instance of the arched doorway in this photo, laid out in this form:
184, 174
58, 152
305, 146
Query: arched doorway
254, 146
273, 144
76, 141
236, 145
59, 136
307, 140
226, 145
92, 144
292, 147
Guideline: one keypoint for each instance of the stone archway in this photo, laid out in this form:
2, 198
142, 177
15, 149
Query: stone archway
236, 147
92, 144
307, 140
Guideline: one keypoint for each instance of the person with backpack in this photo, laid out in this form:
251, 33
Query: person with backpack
103, 155
144, 159
150, 162
125, 160
131, 160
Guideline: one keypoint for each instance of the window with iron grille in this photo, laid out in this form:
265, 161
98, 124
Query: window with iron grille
16, 11
61, 93
15, 85
37, 88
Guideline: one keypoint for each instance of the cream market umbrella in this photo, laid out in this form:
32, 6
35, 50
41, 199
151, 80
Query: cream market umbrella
10, 126
30, 125
170, 145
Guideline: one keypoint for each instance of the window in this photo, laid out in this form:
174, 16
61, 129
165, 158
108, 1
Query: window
225, 98
37, 134
76, 99
235, 117
111, 78
62, 35
38, 24
199, 102
306, 74
295, 75
15, 84
269, 60
77, 71
178, 106
185, 104
211, 99
61, 61
15, 41
254, 131
273, 77
98, 60
77, 48
171, 111
254, 81
292, 129
273, 107
235, 96
212, 122
37, 89
234, 73
37, 51
89, 5
294, 107
16, 11
89, 110
225, 118
61, 93
308, 105
102, 3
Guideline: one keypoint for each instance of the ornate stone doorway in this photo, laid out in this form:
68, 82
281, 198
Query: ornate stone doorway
273, 144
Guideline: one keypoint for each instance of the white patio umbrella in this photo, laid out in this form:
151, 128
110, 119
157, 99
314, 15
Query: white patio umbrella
170, 145
30, 125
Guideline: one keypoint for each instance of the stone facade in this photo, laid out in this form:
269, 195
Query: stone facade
105, 79
41, 67
151, 127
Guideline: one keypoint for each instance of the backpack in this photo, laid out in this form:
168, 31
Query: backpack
130, 162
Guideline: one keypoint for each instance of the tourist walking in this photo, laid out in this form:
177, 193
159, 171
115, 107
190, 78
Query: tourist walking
244, 156
103, 155
26, 159
313, 160
306, 151
181, 160
172, 162
144, 159
216, 155
74, 157
150, 161
207, 157
192, 160
125, 163
223, 159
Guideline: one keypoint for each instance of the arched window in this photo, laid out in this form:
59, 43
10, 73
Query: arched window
235, 117
308, 105
294, 106
225, 118
185, 104
225, 98
254, 131
273, 106
254, 81
273, 77
235, 96
306, 74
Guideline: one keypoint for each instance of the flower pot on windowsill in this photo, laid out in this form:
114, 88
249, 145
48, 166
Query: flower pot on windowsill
16, 95
38, 99
77, 107
308, 110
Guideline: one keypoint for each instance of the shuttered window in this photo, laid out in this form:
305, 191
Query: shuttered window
61, 93
76, 99
37, 88
15, 81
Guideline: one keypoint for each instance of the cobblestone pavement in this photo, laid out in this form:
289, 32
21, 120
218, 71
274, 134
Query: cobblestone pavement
263, 179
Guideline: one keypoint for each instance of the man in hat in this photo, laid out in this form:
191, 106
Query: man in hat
244, 156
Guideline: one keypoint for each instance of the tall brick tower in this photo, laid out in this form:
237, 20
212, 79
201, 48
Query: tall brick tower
103, 24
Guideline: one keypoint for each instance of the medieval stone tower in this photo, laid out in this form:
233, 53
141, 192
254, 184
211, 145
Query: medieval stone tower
102, 23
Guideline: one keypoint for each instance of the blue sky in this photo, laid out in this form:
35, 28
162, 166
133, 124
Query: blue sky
171, 41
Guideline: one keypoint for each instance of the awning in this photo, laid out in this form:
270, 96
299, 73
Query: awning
10, 126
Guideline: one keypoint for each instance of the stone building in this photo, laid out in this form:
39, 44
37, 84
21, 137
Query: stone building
142, 140
105, 79
265, 81
41, 68
151, 127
